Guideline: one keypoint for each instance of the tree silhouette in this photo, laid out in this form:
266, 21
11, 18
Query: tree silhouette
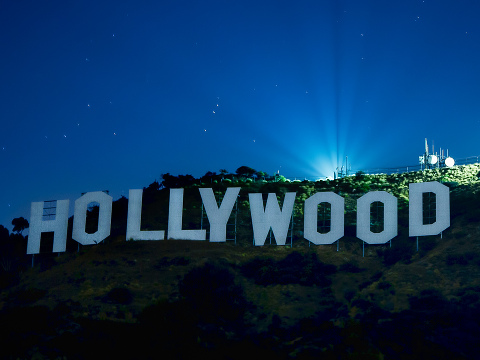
245, 171
19, 224
180, 181
261, 175
223, 173
3, 233
208, 177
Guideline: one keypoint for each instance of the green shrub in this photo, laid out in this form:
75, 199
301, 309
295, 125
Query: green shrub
295, 268
350, 267
385, 285
451, 184
176, 261
28, 296
426, 244
349, 295
428, 300
456, 259
375, 277
461, 234
118, 296
402, 250
212, 293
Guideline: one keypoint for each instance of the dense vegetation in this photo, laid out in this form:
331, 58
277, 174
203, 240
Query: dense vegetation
181, 299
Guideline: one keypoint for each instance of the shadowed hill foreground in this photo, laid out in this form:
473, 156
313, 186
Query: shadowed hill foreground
179, 299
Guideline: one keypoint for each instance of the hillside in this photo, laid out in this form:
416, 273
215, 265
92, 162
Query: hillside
139, 299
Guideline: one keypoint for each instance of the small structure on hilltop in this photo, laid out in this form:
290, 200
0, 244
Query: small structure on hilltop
342, 171
434, 160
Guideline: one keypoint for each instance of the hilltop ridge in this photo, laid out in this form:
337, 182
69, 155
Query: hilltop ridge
228, 299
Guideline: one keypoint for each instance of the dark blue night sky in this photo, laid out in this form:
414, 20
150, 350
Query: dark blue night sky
107, 95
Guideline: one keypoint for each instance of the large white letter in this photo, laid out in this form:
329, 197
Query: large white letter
390, 221
38, 226
80, 218
415, 208
134, 219
337, 204
175, 213
271, 217
218, 217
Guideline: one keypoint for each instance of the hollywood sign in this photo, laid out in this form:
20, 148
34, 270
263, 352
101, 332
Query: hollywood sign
263, 217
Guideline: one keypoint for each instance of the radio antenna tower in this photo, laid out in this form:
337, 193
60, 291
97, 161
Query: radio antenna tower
432, 160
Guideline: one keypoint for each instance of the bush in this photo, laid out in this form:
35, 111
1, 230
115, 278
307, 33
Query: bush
176, 261
213, 294
456, 259
429, 300
400, 251
359, 174
166, 317
385, 285
295, 268
8, 278
119, 296
28, 296
473, 216
375, 277
461, 234
349, 295
426, 244
451, 184
350, 267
